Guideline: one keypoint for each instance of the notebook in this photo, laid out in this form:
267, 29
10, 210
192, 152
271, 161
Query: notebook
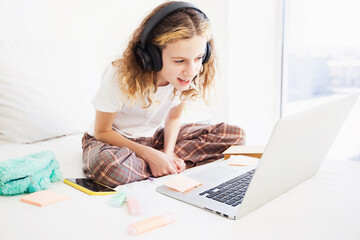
296, 148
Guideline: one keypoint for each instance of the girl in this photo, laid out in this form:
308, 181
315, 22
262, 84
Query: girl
137, 134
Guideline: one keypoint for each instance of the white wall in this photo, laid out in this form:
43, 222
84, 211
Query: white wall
104, 26
255, 66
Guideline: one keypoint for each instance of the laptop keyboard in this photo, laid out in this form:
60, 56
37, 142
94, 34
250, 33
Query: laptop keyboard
231, 192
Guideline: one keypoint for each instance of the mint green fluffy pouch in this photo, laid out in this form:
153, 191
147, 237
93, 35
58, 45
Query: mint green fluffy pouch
31, 173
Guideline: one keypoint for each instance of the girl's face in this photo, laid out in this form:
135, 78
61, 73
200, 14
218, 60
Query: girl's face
182, 61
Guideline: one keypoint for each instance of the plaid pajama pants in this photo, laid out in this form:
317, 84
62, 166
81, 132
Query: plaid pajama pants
196, 144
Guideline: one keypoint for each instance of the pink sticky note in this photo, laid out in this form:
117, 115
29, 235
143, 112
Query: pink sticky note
43, 198
240, 160
182, 183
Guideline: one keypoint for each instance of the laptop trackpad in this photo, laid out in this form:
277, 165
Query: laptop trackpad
213, 173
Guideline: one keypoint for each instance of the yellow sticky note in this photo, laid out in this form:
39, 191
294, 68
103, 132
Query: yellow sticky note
43, 198
182, 183
240, 160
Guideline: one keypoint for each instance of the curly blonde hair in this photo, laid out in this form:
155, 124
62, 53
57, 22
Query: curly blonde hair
139, 85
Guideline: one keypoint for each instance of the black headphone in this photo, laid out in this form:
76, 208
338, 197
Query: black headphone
147, 54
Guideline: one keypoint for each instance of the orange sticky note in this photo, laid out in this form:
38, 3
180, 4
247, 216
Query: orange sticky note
182, 183
43, 198
240, 160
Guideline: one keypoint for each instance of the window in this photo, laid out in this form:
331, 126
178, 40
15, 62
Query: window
322, 50
322, 58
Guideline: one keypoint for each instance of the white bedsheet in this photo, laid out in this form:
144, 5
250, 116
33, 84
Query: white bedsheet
327, 206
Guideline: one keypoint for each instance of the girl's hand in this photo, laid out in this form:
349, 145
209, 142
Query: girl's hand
180, 164
160, 164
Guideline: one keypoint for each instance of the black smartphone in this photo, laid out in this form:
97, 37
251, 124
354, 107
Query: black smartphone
89, 186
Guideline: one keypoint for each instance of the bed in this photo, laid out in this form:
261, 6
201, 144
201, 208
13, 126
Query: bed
324, 207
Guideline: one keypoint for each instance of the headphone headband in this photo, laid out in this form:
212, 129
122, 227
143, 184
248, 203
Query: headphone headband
160, 15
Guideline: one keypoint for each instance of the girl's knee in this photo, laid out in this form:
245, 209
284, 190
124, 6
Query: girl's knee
234, 134
120, 167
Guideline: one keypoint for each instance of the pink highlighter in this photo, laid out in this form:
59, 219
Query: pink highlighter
151, 223
133, 206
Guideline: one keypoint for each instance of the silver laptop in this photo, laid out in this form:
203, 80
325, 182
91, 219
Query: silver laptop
297, 146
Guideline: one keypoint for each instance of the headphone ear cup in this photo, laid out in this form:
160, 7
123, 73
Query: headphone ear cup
207, 53
155, 57
143, 59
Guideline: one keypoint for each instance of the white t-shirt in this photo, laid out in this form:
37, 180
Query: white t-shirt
132, 120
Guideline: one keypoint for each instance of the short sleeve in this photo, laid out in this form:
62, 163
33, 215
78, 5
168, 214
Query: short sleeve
108, 96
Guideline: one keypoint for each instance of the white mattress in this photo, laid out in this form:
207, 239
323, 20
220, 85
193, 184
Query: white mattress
327, 206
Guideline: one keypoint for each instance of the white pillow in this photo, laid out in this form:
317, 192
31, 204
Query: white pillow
45, 89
